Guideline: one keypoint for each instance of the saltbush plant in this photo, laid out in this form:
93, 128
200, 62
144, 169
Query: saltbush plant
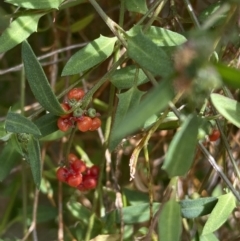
119, 120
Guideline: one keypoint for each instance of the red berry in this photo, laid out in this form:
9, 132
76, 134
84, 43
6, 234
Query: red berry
74, 180
76, 93
72, 157
64, 124
84, 123
94, 171
62, 174
214, 136
89, 182
96, 123
66, 108
78, 166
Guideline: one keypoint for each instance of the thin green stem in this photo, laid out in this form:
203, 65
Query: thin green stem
23, 170
8, 209
147, 136
192, 14
97, 195
90, 93
148, 12
227, 147
121, 13
218, 170
110, 23
155, 14
150, 185
212, 162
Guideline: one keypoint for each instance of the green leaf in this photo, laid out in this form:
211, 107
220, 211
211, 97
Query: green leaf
127, 101
135, 197
107, 237
138, 6
154, 102
221, 212
17, 123
170, 222
19, 30
82, 23
33, 156
133, 214
125, 78
89, 56
198, 207
69, 4
83, 214
230, 76
33, 4
38, 81
208, 237
149, 56
159, 36
227, 107
4, 136
44, 213
210, 13
181, 151
47, 124
8, 159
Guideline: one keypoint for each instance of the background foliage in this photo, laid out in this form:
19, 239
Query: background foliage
164, 75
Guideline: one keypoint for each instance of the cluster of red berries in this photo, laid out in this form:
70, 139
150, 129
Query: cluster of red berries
86, 120
77, 174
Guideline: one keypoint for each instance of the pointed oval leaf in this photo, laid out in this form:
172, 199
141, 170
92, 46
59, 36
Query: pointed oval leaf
170, 222
33, 157
138, 6
159, 36
8, 159
127, 101
137, 213
19, 30
107, 237
208, 237
154, 102
230, 76
89, 56
82, 23
181, 151
125, 78
227, 107
193, 208
225, 205
47, 124
33, 4
149, 56
38, 81
17, 123
82, 213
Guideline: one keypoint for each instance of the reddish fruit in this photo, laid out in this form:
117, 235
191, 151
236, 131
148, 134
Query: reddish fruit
62, 174
96, 123
74, 180
64, 124
76, 93
89, 182
66, 108
81, 188
72, 157
94, 171
214, 136
84, 123
78, 166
